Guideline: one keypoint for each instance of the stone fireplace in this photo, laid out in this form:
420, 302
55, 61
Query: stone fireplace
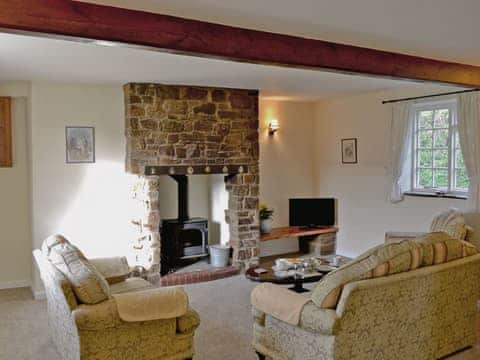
193, 129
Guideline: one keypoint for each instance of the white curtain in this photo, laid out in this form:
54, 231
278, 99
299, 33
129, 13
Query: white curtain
399, 146
469, 135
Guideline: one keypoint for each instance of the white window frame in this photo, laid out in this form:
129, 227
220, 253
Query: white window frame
451, 105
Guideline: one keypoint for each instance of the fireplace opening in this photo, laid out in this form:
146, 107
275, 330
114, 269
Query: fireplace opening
184, 238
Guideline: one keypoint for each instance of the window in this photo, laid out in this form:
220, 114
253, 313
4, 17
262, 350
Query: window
438, 165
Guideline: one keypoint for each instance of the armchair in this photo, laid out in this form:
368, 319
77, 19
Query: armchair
88, 332
471, 219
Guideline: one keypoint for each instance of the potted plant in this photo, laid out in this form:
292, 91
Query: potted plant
266, 215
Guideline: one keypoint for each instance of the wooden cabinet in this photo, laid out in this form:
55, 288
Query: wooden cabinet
5, 132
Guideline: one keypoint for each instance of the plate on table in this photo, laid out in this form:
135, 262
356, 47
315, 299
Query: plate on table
284, 274
275, 268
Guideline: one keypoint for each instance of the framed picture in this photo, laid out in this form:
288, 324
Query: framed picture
5, 132
349, 151
80, 144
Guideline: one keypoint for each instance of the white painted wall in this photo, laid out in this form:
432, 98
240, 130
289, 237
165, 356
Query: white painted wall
218, 200
364, 214
286, 162
88, 203
15, 244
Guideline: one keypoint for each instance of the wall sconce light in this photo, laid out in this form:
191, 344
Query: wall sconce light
273, 126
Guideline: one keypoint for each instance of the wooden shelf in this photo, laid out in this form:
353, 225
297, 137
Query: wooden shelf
296, 231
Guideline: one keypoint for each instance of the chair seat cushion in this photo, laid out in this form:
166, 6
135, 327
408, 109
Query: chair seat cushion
130, 285
114, 269
89, 286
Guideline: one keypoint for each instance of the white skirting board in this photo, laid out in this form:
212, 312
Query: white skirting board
14, 284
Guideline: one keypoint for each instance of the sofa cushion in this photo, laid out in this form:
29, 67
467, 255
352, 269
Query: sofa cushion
89, 286
130, 285
440, 247
452, 222
385, 259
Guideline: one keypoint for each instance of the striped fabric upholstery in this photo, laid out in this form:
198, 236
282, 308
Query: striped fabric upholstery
391, 258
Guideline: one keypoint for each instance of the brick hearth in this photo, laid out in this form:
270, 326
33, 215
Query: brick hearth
197, 276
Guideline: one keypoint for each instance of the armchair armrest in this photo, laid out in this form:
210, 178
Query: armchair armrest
315, 319
104, 315
278, 302
292, 308
114, 269
100, 316
188, 322
393, 236
152, 304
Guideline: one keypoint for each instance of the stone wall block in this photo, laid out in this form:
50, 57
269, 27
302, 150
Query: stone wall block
188, 125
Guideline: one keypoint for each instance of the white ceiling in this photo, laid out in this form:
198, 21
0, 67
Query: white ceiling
443, 29
25, 58
28, 58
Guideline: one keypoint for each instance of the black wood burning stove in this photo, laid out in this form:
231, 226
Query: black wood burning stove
183, 240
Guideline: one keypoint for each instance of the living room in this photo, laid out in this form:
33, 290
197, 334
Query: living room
102, 135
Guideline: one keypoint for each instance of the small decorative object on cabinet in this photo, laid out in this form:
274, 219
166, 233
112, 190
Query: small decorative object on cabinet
5, 132
266, 215
80, 142
349, 151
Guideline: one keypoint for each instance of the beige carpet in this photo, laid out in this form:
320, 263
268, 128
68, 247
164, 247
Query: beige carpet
225, 332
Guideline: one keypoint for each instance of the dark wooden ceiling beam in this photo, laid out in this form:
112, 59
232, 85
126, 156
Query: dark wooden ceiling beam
172, 34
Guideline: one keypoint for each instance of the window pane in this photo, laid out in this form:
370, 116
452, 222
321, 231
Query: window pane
425, 158
457, 140
425, 178
441, 118
440, 138
425, 119
459, 159
440, 178
461, 179
440, 158
425, 138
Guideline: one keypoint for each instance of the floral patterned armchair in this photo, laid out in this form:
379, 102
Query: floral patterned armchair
94, 332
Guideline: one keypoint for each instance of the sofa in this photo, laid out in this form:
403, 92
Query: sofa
413, 299
97, 331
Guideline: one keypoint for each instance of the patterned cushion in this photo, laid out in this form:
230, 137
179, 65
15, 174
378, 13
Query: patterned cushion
89, 286
385, 259
452, 222
440, 247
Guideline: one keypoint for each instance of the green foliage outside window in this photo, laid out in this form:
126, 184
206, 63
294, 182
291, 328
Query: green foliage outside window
433, 148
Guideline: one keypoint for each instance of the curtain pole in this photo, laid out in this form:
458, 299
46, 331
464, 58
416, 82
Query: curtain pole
428, 96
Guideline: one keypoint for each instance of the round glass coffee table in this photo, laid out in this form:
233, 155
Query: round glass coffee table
297, 279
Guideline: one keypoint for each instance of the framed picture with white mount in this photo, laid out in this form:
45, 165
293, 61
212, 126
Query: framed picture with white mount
80, 144
349, 151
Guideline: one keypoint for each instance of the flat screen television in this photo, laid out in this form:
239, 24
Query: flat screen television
312, 212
